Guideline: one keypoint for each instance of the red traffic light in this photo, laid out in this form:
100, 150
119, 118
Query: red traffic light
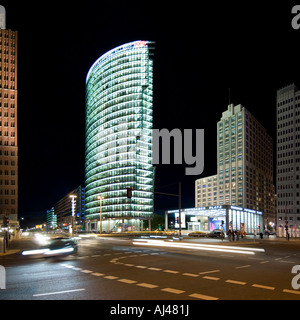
5, 221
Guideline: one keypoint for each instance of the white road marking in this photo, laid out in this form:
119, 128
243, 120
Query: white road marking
171, 271
58, 292
210, 278
86, 271
236, 282
247, 266
202, 296
147, 285
155, 269
263, 287
97, 274
291, 291
212, 271
190, 274
171, 290
111, 277
127, 281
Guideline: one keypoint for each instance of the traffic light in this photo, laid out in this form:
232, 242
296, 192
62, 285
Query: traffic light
5, 222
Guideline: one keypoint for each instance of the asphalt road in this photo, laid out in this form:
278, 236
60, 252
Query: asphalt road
122, 269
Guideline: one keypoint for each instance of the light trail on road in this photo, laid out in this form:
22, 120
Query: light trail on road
206, 247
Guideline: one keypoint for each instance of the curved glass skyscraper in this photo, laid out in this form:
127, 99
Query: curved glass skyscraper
119, 94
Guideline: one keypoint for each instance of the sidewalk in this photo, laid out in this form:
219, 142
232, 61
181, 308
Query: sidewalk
14, 247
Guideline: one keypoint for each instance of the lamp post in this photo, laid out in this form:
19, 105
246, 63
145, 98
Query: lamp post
100, 198
73, 203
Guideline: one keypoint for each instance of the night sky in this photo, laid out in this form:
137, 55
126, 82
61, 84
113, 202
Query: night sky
202, 50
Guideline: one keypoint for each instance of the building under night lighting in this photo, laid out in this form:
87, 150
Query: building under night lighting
245, 166
8, 122
119, 94
288, 161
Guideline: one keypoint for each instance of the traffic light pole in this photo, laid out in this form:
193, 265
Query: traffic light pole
179, 203
5, 225
129, 195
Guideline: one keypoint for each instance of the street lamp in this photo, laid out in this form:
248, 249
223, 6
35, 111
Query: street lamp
73, 204
100, 198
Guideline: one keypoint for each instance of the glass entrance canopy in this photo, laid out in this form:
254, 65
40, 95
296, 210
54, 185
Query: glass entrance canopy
231, 217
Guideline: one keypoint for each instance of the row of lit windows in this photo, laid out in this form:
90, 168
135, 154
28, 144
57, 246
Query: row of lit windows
114, 112
5, 34
133, 88
122, 153
113, 165
112, 89
115, 59
118, 142
6, 124
7, 202
6, 60
7, 192
106, 80
7, 172
125, 119
103, 105
6, 153
98, 121
7, 182
108, 204
123, 82
111, 79
132, 138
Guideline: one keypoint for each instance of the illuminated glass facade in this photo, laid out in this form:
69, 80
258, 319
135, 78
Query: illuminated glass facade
217, 217
119, 96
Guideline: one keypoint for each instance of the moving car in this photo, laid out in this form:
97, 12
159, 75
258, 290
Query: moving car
216, 234
54, 246
62, 245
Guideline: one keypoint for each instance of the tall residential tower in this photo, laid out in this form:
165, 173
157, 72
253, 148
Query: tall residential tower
245, 166
8, 121
119, 138
288, 160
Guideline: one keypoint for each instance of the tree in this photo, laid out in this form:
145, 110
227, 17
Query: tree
157, 222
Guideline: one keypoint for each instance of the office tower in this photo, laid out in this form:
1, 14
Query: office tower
8, 121
288, 160
72, 203
245, 166
51, 219
118, 166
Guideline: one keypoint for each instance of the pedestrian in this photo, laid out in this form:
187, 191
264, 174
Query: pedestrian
261, 235
233, 233
237, 235
229, 234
